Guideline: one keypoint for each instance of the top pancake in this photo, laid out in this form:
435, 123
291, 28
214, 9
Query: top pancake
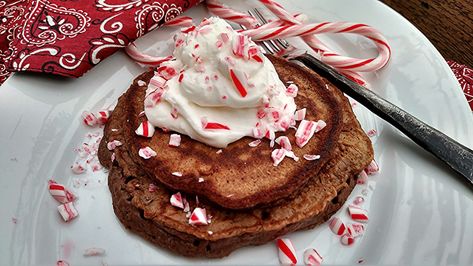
240, 176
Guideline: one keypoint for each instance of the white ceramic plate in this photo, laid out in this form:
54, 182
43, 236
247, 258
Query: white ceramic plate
419, 212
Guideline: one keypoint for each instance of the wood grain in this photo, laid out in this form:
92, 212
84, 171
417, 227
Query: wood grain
448, 24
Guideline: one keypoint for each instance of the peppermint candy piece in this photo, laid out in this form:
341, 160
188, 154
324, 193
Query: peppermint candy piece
358, 214
337, 226
146, 153
358, 200
284, 142
177, 200
372, 168
292, 90
311, 157
67, 211
60, 192
356, 229
254, 143
198, 217
78, 168
299, 115
362, 178
286, 251
62, 263
145, 129
175, 140
102, 117
278, 155
89, 119
304, 132
94, 252
347, 240
113, 144
312, 257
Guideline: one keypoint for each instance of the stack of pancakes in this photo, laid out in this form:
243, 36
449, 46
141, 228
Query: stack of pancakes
250, 201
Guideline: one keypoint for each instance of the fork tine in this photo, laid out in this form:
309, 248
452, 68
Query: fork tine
283, 43
273, 48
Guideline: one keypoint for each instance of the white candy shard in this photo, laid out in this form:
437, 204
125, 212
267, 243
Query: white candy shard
311, 157
78, 168
113, 144
175, 140
362, 178
198, 217
286, 252
372, 168
312, 257
292, 90
67, 211
347, 240
146, 153
355, 229
94, 252
358, 214
284, 142
337, 226
254, 143
299, 115
177, 200
60, 192
177, 174
145, 129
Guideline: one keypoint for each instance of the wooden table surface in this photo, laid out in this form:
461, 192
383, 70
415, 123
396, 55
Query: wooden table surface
447, 23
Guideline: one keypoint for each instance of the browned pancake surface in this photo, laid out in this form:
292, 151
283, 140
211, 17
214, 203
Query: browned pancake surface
239, 177
150, 215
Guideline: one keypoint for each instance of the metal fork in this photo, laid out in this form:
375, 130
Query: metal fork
454, 154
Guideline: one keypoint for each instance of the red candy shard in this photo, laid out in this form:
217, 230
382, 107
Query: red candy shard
287, 253
145, 129
214, 125
177, 200
347, 240
358, 214
312, 257
238, 84
60, 192
337, 226
198, 217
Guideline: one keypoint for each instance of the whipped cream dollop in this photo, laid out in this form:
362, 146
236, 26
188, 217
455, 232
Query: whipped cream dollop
219, 88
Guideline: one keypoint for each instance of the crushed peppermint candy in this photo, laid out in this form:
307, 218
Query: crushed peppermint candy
292, 90
177, 174
347, 240
362, 178
299, 115
89, 119
358, 200
311, 157
304, 132
198, 217
254, 143
175, 140
177, 200
94, 252
113, 144
337, 226
102, 116
146, 153
284, 142
60, 192
355, 229
358, 214
286, 251
78, 168
372, 168
312, 257
67, 211
371, 133
145, 129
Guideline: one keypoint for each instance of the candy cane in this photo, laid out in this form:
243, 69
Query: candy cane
181, 21
224, 12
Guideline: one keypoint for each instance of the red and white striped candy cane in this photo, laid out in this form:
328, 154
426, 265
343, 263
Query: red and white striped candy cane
181, 21
333, 59
145, 59
227, 13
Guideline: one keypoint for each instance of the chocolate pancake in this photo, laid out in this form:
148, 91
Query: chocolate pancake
149, 214
239, 177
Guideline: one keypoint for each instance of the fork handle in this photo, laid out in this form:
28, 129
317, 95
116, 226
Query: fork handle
454, 154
